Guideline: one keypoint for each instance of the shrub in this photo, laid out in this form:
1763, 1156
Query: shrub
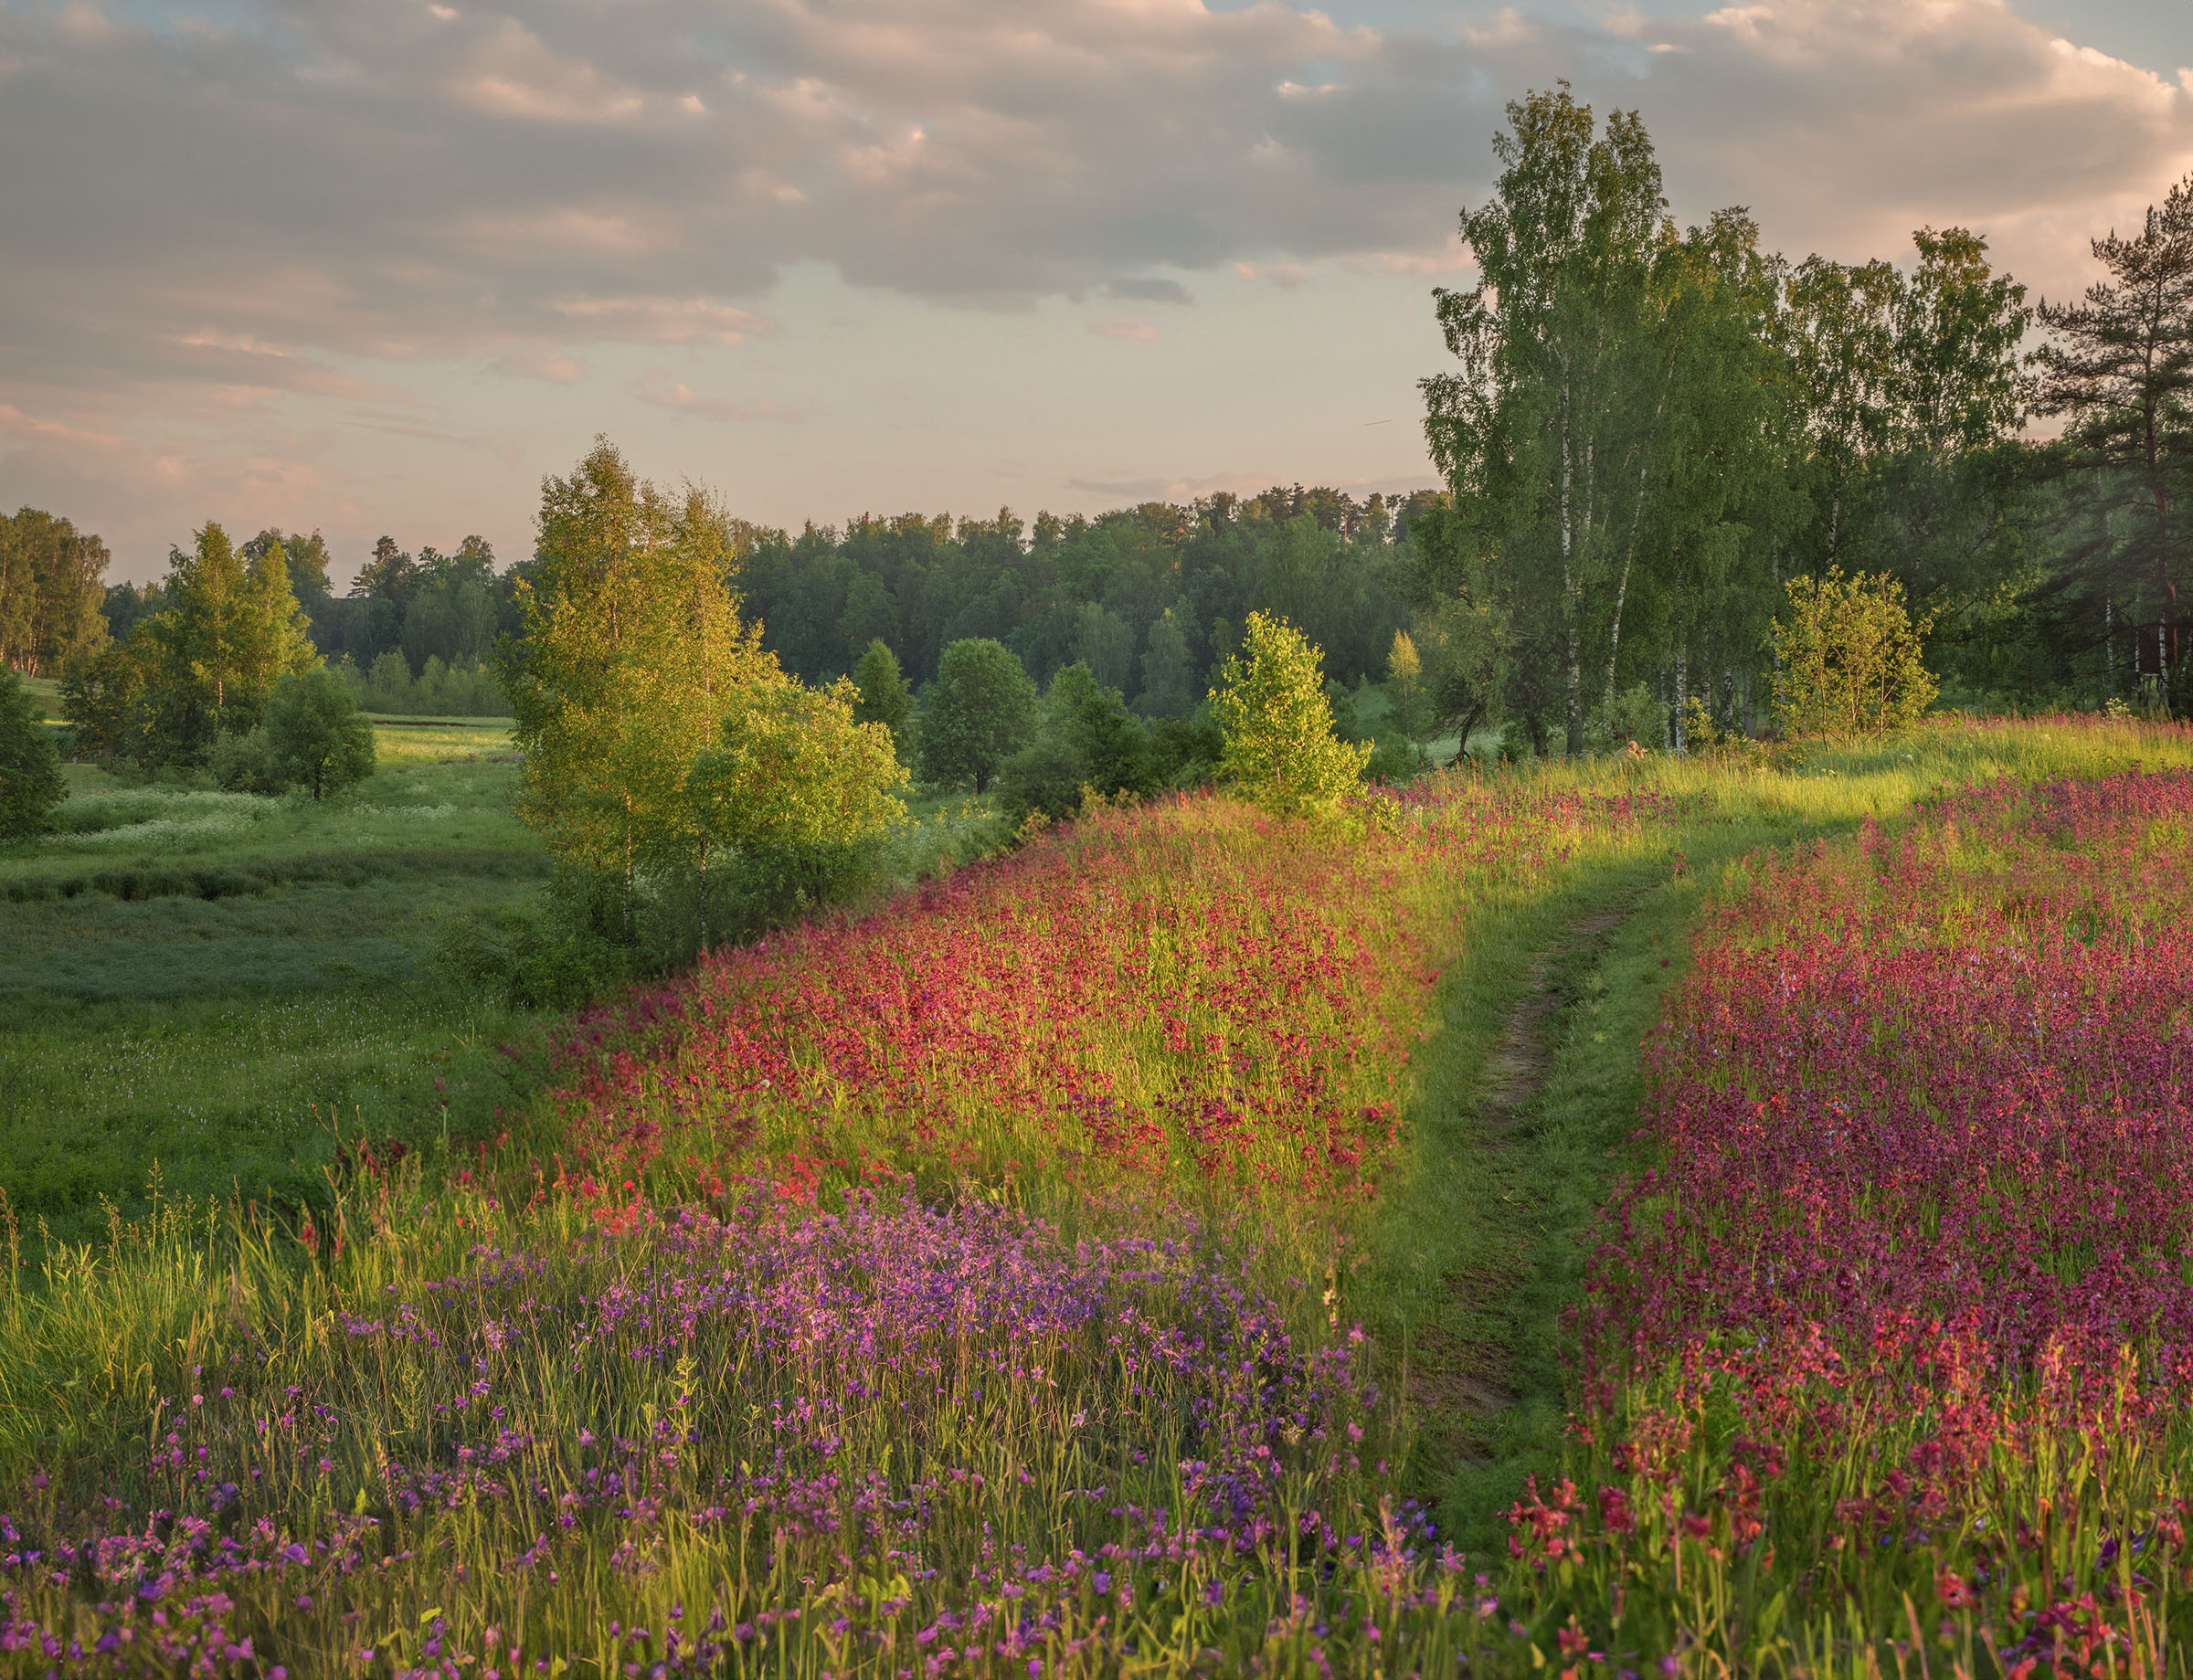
1280, 748
238, 764
1044, 777
1849, 657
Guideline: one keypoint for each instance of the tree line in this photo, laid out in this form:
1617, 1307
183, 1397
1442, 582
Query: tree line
1653, 430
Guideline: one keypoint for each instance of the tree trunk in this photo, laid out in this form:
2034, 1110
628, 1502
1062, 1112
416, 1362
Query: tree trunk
1573, 597
1682, 700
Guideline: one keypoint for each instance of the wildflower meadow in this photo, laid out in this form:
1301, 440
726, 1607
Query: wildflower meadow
956, 1287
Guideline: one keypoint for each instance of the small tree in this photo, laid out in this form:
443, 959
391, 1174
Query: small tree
1850, 657
884, 697
102, 696
1281, 751
30, 770
315, 734
1404, 688
980, 711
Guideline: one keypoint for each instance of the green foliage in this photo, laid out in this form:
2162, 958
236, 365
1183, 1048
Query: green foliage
1849, 658
1168, 670
102, 694
795, 798
555, 953
979, 712
201, 668
1650, 427
885, 697
466, 688
1089, 742
238, 764
50, 592
1045, 777
314, 735
662, 741
1638, 716
30, 770
1280, 749
1185, 751
2118, 368
633, 652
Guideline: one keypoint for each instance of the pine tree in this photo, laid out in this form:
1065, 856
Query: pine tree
2120, 369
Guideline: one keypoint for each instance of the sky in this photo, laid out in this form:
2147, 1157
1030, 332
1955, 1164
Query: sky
377, 266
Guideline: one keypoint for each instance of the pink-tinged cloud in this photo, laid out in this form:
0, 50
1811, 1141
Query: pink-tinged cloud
1133, 328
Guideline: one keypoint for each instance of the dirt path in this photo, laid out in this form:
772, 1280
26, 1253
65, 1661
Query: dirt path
1458, 1386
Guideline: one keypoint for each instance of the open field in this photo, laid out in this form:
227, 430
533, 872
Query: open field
974, 1286
211, 980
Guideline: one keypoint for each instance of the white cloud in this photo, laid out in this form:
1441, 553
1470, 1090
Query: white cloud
659, 391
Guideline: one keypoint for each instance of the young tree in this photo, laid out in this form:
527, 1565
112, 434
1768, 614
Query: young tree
2119, 367
315, 734
1281, 752
30, 770
230, 629
634, 653
884, 697
102, 696
980, 711
1849, 657
1412, 706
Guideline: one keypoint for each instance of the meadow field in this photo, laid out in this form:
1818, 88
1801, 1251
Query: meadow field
1702, 1216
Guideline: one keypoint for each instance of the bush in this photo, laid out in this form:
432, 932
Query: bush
238, 764
1849, 658
1392, 759
1185, 751
1280, 748
30, 770
554, 955
1046, 778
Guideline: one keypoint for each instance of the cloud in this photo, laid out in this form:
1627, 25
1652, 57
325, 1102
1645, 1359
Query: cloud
538, 362
259, 224
382, 179
1148, 291
658, 391
1134, 328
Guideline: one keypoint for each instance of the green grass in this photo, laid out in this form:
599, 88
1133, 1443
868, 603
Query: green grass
213, 981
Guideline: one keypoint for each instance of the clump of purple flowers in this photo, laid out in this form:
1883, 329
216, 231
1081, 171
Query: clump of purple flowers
892, 1437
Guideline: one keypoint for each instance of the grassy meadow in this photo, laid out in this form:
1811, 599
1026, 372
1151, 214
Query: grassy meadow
1176, 1246
216, 982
